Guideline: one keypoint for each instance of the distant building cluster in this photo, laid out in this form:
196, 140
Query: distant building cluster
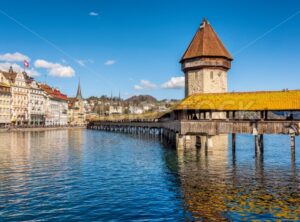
110, 106
25, 102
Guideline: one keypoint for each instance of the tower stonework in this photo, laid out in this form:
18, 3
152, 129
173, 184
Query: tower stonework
205, 63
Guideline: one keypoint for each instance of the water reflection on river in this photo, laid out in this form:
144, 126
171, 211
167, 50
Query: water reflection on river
226, 185
92, 175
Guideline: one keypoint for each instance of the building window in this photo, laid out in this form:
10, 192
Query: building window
211, 75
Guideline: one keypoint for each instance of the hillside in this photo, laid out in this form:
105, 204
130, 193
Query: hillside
141, 98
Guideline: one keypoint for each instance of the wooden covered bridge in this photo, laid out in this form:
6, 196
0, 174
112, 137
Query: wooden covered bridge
209, 111
199, 117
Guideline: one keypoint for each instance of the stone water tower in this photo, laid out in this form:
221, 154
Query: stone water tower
205, 63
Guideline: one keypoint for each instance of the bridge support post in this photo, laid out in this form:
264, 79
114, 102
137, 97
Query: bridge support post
187, 141
293, 145
179, 141
209, 142
198, 142
259, 144
233, 142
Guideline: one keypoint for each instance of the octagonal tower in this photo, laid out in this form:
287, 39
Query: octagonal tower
205, 63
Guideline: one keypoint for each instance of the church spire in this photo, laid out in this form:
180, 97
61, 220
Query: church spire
78, 95
10, 69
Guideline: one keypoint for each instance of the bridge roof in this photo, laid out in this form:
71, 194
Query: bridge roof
243, 101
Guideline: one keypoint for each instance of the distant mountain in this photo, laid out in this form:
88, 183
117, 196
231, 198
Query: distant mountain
141, 98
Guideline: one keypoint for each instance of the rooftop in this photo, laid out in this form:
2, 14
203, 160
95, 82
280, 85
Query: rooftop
55, 93
243, 101
206, 43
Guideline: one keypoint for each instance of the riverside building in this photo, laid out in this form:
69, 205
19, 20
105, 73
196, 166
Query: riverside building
56, 107
20, 94
5, 101
25, 102
77, 111
37, 104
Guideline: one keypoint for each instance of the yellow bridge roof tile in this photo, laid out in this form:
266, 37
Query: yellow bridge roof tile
243, 101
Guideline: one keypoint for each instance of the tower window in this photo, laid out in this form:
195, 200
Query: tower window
211, 75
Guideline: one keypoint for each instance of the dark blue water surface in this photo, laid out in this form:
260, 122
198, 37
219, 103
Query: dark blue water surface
83, 175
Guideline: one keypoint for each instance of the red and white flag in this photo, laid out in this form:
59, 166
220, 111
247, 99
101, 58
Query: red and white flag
26, 64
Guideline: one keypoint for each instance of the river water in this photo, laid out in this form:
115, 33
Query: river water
84, 175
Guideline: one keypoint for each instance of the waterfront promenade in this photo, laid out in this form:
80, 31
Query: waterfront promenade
34, 129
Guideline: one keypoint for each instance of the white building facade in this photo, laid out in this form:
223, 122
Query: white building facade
5, 101
56, 112
56, 109
24, 102
19, 96
36, 105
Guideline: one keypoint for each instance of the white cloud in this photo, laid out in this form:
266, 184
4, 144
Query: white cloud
110, 62
81, 62
32, 72
145, 84
55, 69
13, 57
137, 87
17, 68
93, 13
174, 83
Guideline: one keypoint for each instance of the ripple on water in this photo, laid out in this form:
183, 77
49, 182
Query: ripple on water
89, 175
85, 175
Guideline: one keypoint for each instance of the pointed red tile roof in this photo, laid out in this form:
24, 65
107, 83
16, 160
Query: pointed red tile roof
206, 43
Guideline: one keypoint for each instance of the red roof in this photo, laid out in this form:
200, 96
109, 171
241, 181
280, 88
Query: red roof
55, 93
206, 43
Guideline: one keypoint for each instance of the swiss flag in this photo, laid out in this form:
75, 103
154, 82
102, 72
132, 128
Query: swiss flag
26, 64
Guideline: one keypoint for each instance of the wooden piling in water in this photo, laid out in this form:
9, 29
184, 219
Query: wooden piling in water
259, 144
233, 141
198, 142
293, 145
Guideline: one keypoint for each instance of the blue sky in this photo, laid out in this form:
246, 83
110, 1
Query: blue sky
134, 46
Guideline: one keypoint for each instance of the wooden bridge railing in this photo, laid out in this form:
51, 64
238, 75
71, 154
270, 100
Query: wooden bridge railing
213, 127
239, 127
